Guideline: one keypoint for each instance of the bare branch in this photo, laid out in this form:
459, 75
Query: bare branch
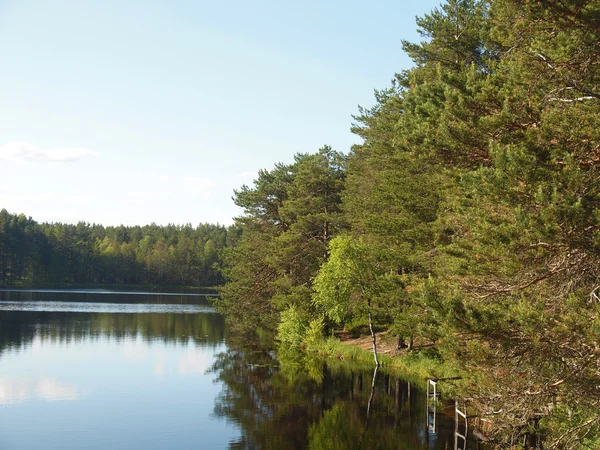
572, 100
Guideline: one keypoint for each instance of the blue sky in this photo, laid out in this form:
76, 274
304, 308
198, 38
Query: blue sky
144, 111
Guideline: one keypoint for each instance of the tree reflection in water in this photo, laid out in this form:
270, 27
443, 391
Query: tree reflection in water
295, 405
322, 406
20, 328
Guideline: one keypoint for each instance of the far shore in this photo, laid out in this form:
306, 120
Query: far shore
113, 287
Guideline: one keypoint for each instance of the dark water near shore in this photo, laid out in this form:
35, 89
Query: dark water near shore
97, 370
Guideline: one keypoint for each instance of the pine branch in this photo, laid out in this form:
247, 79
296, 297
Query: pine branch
571, 431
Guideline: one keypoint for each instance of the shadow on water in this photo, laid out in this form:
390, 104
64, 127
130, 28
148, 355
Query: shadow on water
321, 406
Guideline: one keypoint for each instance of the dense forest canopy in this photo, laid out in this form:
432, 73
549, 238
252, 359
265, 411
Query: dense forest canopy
48, 253
467, 217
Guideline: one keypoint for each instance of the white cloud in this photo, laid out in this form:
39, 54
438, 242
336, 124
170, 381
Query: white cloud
201, 187
23, 151
164, 178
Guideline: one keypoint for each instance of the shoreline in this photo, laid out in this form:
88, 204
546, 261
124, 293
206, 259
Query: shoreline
419, 364
120, 287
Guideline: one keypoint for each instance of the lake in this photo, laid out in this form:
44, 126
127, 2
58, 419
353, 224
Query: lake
131, 370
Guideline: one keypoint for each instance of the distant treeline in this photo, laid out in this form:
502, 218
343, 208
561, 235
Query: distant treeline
39, 253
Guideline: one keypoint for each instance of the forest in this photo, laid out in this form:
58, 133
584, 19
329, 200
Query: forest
466, 219
36, 254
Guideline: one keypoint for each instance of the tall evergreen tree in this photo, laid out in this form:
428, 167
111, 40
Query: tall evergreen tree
290, 214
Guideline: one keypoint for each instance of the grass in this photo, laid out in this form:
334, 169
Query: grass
418, 365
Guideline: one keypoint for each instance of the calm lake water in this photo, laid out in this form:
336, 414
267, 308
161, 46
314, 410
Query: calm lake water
104, 370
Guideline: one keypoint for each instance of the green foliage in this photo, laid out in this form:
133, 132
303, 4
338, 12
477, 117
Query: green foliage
291, 330
469, 213
290, 214
344, 276
314, 335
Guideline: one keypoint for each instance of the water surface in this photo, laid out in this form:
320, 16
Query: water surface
135, 371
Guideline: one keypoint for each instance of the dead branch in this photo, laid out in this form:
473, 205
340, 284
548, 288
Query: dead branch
572, 100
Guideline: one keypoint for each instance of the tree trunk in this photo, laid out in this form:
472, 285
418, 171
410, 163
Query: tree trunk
373, 335
401, 343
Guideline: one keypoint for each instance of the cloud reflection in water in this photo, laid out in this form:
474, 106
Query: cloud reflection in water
13, 390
